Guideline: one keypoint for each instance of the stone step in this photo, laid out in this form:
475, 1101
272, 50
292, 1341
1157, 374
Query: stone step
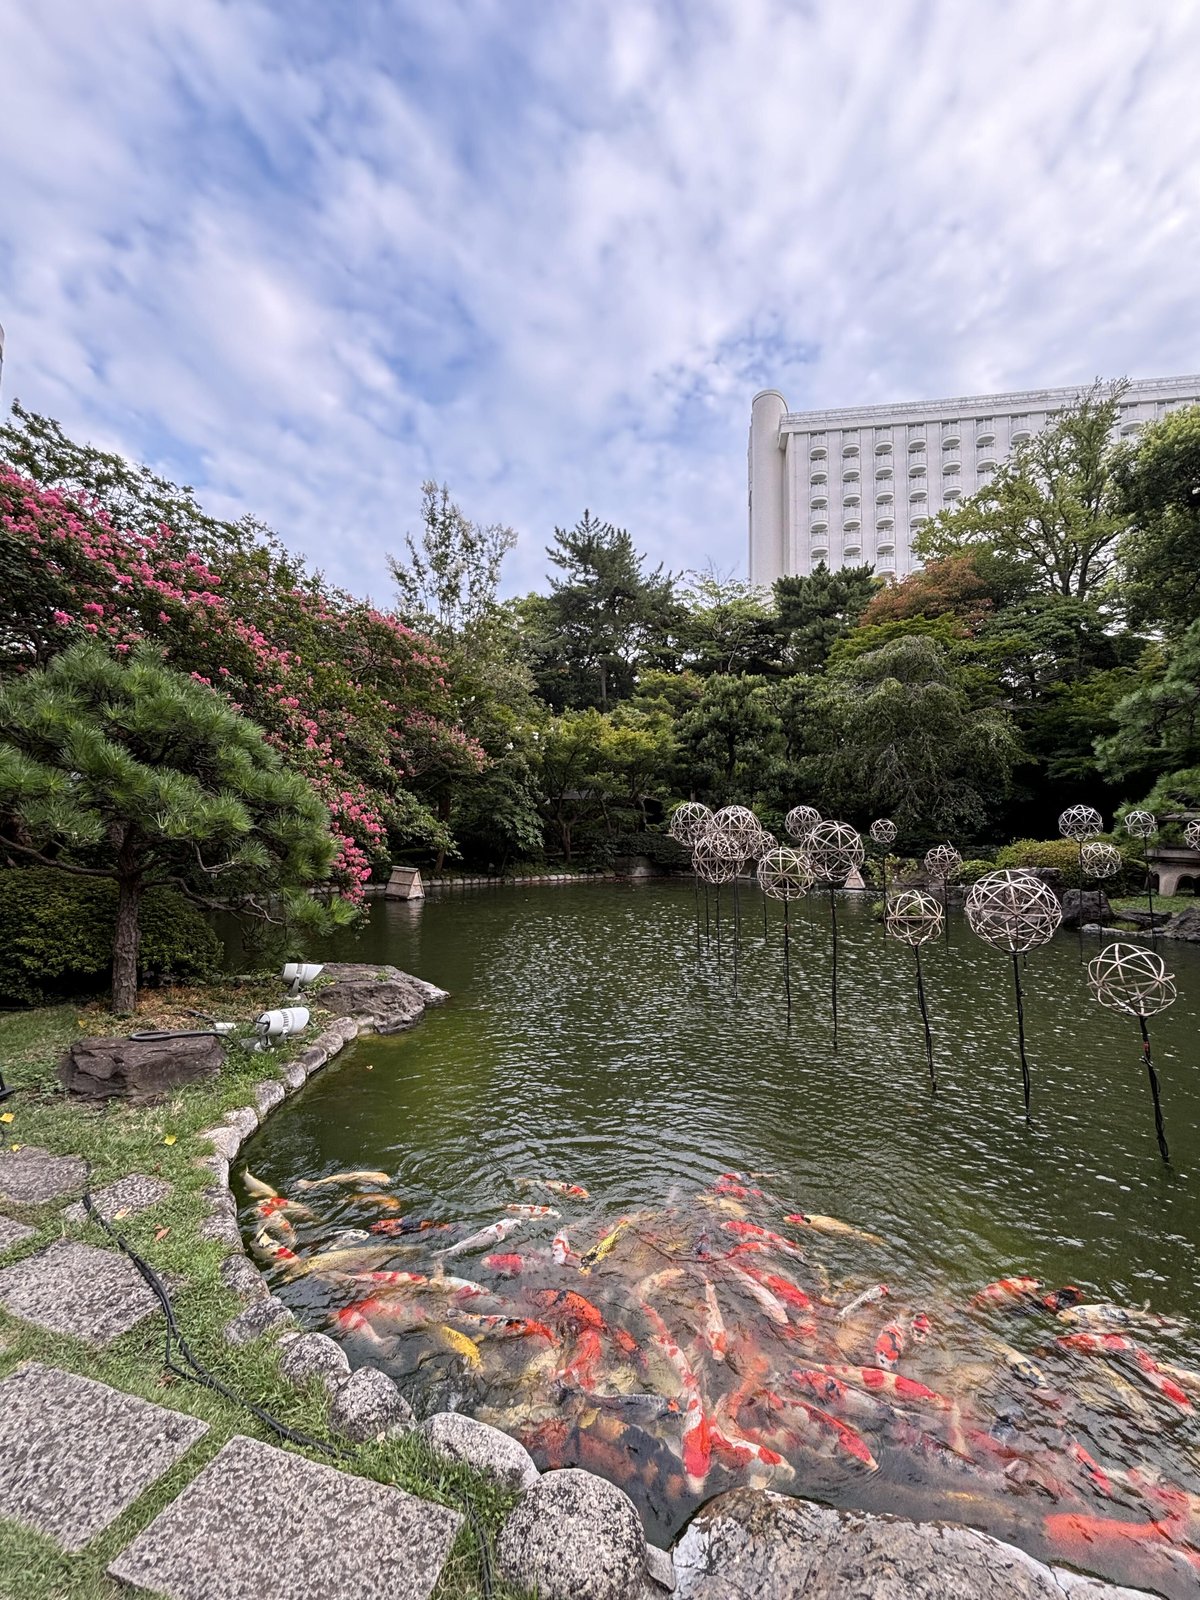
75, 1453
74, 1288
261, 1522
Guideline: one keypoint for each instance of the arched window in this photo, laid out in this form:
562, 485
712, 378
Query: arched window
883, 449
883, 473
850, 450
850, 477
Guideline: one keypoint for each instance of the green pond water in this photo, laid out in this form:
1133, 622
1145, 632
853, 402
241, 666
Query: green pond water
590, 1041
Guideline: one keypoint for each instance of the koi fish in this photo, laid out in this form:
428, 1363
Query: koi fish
400, 1225
737, 1451
509, 1265
516, 1327
275, 1222
381, 1202
738, 1191
496, 1233
810, 1219
1028, 1371
846, 1439
831, 1391
593, 1257
570, 1191
582, 1367
332, 1260
1084, 1535
271, 1249
466, 1288
889, 1346
759, 1292
1068, 1295
783, 1288
878, 1291
532, 1211
255, 1186
393, 1279
1005, 1289
696, 1437
714, 1324
343, 1177
459, 1344
878, 1381
1105, 1318
920, 1327
560, 1248
277, 1204
1116, 1344
776, 1241
357, 1318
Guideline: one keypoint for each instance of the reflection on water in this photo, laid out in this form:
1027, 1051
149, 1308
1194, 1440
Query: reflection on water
588, 1042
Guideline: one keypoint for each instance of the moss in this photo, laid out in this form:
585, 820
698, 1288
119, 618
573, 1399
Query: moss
117, 1140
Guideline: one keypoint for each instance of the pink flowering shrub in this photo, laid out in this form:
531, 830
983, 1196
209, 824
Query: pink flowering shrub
350, 697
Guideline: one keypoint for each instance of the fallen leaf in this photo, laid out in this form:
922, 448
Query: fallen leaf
170, 1139
123, 1212
16, 1147
160, 1233
6, 1116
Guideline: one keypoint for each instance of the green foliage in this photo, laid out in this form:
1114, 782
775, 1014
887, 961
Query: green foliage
447, 583
971, 871
658, 848
728, 627
57, 935
818, 610
1158, 723
729, 741
1158, 483
1063, 856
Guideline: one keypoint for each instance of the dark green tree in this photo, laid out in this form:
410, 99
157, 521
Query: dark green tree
729, 627
447, 582
729, 741
1158, 482
132, 772
1158, 724
818, 610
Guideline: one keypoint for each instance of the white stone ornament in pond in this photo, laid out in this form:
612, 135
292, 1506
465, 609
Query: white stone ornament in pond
784, 874
1080, 823
1012, 911
913, 917
883, 831
943, 861
834, 851
1099, 860
800, 822
1140, 824
712, 860
1132, 979
1191, 834
688, 821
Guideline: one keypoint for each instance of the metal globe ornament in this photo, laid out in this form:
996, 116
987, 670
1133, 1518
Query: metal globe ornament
834, 851
943, 861
914, 918
1100, 860
1191, 834
1133, 980
713, 860
800, 822
785, 875
1014, 911
688, 821
1080, 823
883, 831
1140, 824
739, 825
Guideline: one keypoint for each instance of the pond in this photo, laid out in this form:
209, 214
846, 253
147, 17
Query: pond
595, 1040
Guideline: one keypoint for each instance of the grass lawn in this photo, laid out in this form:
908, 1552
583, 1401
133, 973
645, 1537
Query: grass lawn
1165, 903
161, 1140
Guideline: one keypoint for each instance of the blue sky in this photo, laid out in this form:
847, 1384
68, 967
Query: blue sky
304, 255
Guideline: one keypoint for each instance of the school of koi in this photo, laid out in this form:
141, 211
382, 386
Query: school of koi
720, 1342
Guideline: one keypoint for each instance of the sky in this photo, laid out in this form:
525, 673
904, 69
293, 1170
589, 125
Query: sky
305, 256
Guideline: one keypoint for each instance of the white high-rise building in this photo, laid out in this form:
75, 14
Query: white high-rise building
855, 485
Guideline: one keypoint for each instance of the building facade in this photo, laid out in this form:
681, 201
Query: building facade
855, 485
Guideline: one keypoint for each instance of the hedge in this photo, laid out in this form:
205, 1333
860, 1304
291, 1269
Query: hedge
56, 934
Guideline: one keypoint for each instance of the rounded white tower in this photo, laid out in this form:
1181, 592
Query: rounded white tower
768, 514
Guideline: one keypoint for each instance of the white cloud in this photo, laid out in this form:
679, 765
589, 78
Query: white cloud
549, 253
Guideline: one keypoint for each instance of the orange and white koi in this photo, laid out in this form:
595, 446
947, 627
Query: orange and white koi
783, 1288
839, 1395
1006, 1289
713, 1331
510, 1265
569, 1191
402, 1225
357, 1318
752, 1231
920, 1327
277, 1204
889, 1346
271, 1249
532, 1211
845, 1439
380, 1202
495, 1233
877, 1291
696, 1436
275, 1222
757, 1291
1116, 1344
894, 1384
395, 1280
831, 1225
560, 1248
513, 1327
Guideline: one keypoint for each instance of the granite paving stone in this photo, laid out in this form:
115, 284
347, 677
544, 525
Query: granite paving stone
128, 1195
32, 1176
74, 1453
261, 1522
12, 1233
78, 1289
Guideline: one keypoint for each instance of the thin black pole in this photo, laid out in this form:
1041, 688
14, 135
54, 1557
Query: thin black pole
717, 919
833, 927
1021, 1030
737, 930
707, 919
1079, 907
925, 1019
696, 903
946, 905
765, 930
885, 862
787, 961
5, 1091
1153, 1076
1149, 891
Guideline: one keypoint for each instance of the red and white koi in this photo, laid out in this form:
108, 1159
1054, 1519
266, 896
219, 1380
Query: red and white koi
836, 1394
713, 1331
757, 1291
278, 1204
920, 1327
1108, 1318
510, 1266
831, 1225
532, 1211
1006, 1289
569, 1191
560, 1248
877, 1291
495, 1233
1116, 1344
890, 1344
894, 1384
271, 1249
760, 1235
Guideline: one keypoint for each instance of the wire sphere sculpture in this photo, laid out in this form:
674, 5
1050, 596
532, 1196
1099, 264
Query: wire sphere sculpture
1191, 833
883, 831
688, 821
1080, 823
712, 861
834, 850
766, 841
943, 861
1140, 824
800, 822
1101, 860
739, 826
1128, 978
1012, 911
913, 917
784, 874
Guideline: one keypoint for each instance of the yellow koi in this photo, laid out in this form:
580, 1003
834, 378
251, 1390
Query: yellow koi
343, 1177
606, 1246
256, 1187
331, 1260
459, 1344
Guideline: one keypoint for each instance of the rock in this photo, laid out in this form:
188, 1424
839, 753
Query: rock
128, 1195
1092, 903
312, 1059
294, 1075
305, 1356
392, 998
219, 1167
222, 1230
576, 1537
485, 1448
31, 1176
660, 1569
1184, 924
267, 1095
220, 1202
259, 1317
13, 1233
242, 1277
244, 1119
774, 1547
369, 1406
77, 1289
226, 1141
140, 1071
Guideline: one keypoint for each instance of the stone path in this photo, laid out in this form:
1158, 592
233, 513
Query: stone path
32, 1176
12, 1233
95, 1295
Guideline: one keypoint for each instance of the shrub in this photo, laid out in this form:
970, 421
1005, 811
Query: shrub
1063, 854
659, 848
971, 871
56, 933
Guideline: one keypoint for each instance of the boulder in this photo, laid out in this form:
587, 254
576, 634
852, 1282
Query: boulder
576, 1537
1091, 903
142, 1071
1183, 925
369, 1406
243, 1278
392, 998
755, 1542
305, 1356
485, 1448
267, 1095
259, 1317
